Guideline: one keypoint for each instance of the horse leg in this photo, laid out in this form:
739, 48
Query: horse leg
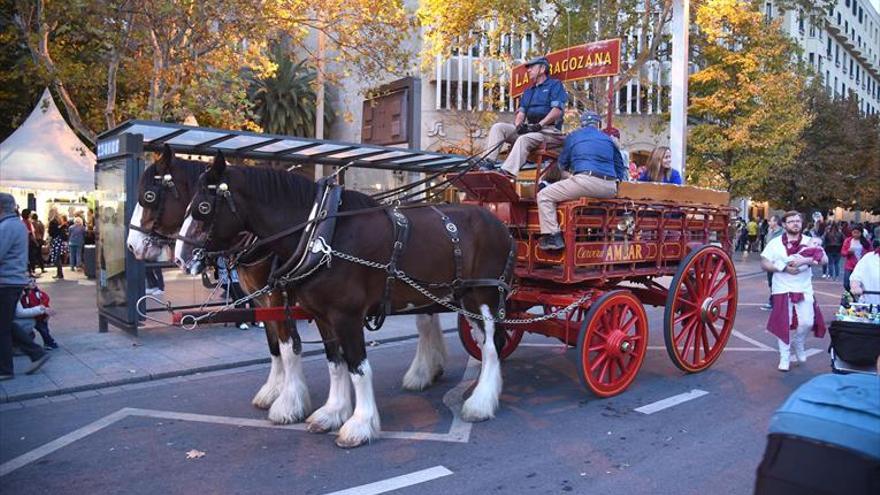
483, 402
294, 402
427, 365
364, 424
272, 388
338, 407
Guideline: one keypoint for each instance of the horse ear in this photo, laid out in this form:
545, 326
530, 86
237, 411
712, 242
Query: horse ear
163, 164
215, 171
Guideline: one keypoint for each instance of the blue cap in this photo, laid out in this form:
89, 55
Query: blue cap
538, 61
588, 118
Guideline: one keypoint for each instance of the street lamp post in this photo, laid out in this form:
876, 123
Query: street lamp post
679, 84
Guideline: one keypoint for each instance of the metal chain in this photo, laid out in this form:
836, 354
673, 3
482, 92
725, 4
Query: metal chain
445, 301
196, 319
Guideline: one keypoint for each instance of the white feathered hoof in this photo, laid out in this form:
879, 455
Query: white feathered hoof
358, 431
477, 409
416, 380
266, 396
290, 408
326, 419
483, 402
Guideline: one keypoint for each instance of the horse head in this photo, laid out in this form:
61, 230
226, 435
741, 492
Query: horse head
164, 191
212, 219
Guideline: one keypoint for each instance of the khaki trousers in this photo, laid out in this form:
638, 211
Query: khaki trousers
574, 187
524, 144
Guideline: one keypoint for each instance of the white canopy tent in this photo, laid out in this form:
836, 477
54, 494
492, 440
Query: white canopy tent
44, 154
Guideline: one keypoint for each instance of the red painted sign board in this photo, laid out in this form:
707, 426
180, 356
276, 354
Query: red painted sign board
597, 59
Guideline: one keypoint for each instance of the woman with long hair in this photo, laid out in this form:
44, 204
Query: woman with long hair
58, 246
659, 168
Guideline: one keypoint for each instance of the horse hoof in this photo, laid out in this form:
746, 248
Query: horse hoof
350, 443
316, 427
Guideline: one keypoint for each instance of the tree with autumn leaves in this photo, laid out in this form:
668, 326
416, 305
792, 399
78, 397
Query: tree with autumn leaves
760, 130
110, 60
746, 102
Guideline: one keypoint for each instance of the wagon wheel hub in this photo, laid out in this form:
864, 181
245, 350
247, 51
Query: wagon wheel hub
709, 310
618, 343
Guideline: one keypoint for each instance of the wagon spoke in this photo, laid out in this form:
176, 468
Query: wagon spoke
698, 337
605, 369
601, 358
690, 303
724, 299
684, 316
714, 331
595, 348
629, 324
715, 272
687, 327
687, 340
619, 363
690, 287
720, 283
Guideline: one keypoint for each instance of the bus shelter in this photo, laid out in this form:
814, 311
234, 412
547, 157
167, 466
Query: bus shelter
121, 161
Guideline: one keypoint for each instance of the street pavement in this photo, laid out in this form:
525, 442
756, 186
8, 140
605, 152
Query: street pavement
668, 433
88, 360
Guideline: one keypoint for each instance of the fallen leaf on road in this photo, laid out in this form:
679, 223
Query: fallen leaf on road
195, 454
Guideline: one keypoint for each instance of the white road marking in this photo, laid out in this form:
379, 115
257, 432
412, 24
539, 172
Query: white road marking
748, 349
813, 351
397, 482
61, 442
670, 401
752, 341
459, 430
836, 296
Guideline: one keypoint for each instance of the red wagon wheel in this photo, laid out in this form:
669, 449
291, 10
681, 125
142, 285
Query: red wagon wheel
612, 343
702, 298
465, 333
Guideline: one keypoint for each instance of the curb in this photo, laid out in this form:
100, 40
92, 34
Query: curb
179, 373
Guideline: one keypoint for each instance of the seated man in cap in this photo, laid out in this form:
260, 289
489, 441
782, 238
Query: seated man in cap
538, 120
593, 165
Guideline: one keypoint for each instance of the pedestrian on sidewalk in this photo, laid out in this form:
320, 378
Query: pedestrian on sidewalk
36, 255
833, 245
58, 241
774, 230
13, 278
854, 247
34, 297
794, 307
77, 235
866, 278
155, 281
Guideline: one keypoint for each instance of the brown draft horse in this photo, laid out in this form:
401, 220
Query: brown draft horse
164, 192
265, 202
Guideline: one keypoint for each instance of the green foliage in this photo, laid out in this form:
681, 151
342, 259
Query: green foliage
285, 102
747, 99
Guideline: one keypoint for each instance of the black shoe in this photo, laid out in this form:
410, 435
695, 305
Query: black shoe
5, 376
552, 242
49, 347
37, 364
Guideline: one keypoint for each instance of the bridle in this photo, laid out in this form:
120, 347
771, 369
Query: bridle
153, 198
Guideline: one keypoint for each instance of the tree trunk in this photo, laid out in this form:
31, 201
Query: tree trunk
40, 53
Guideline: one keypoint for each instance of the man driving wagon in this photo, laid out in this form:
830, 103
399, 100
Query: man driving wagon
538, 121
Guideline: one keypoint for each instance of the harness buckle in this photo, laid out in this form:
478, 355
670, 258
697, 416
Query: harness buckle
319, 245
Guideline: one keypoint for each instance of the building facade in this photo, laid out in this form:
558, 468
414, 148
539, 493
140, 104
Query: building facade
461, 95
845, 52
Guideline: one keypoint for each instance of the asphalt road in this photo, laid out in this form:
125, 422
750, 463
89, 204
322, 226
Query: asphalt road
549, 436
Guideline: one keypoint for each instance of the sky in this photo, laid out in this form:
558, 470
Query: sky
876, 4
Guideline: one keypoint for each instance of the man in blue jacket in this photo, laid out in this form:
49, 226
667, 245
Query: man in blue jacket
13, 278
538, 120
593, 166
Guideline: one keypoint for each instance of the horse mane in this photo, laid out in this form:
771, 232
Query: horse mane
273, 184
192, 169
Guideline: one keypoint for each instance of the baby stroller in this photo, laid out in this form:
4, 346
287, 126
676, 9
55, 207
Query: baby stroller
855, 341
